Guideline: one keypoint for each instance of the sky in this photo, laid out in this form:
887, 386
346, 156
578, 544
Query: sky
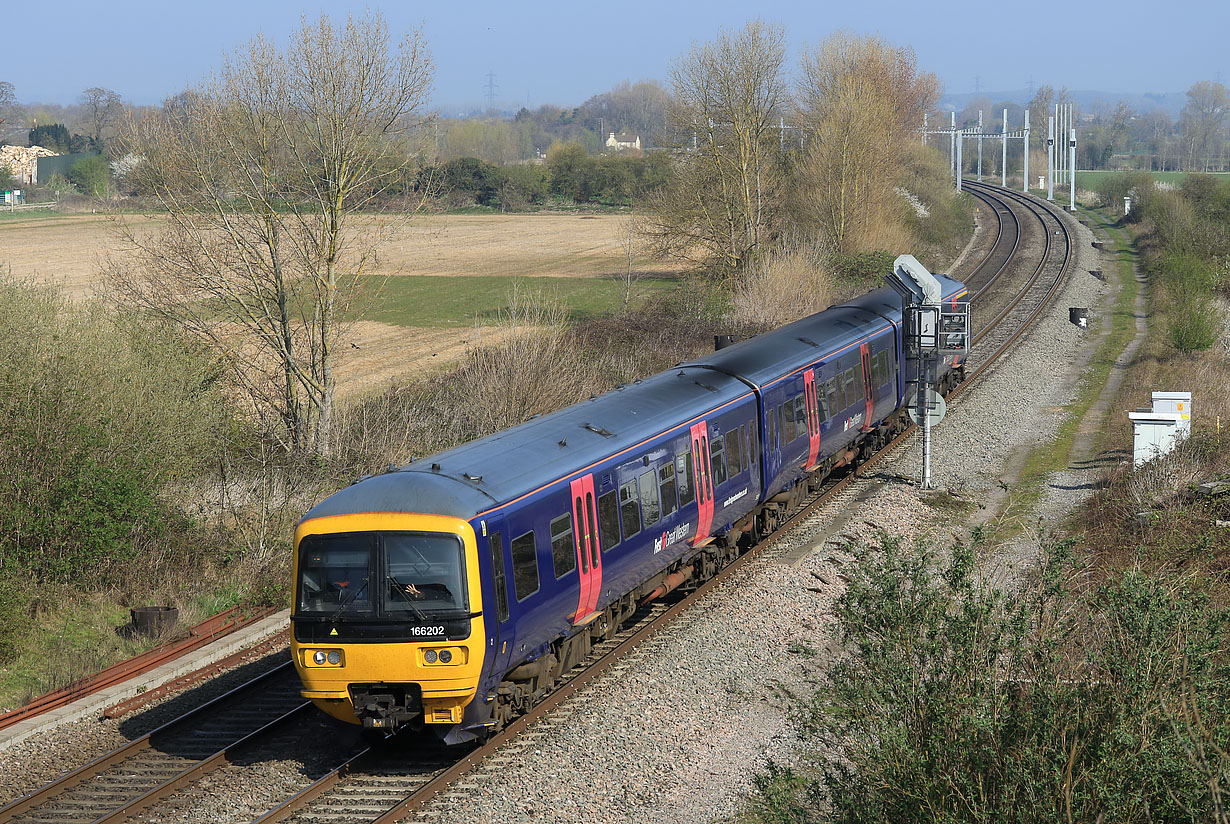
564, 53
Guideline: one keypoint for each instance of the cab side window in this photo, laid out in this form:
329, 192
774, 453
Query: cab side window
496, 543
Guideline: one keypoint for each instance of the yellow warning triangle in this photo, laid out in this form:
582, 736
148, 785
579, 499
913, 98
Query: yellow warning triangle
333, 631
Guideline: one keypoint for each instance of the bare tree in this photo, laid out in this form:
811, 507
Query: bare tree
1201, 123
263, 170
860, 99
7, 98
728, 95
102, 109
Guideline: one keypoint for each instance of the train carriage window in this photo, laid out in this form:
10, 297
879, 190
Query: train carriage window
608, 519
718, 464
830, 394
593, 529
496, 543
563, 553
733, 467
854, 387
800, 415
629, 509
781, 426
744, 457
666, 480
822, 405
525, 566
772, 432
651, 507
839, 382
789, 433
683, 477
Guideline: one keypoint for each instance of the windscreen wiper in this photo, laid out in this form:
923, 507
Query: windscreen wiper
401, 590
345, 605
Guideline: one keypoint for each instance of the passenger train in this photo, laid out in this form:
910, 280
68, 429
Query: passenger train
448, 596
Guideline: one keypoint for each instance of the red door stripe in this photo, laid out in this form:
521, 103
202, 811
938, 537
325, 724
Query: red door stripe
585, 540
703, 480
868, 385
813, 422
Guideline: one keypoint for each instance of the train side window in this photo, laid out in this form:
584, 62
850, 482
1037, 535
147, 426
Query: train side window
830, 393
839, 381
608, 519
629, 509
499, 581
525, 566
733, 466
787, 410
772, 431
563, 553
718, 462
800, 414
666, 480
744, 452
651, 507
781, 426
854, 386
683, 477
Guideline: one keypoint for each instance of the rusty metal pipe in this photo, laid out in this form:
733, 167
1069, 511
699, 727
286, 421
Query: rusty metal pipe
672, 582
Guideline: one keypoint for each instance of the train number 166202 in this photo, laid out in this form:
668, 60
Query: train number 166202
427, 631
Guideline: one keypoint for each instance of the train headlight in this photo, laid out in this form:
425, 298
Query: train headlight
430, 656
335, 657
445, 656
319, 657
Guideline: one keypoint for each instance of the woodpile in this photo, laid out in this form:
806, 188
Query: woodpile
23, 161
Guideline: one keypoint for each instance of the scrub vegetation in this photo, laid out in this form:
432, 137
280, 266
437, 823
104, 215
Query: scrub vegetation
1099, 690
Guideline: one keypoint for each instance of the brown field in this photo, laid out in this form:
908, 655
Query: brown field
66, 251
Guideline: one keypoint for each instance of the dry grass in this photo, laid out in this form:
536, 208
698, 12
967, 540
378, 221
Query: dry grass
66, 250
780, 288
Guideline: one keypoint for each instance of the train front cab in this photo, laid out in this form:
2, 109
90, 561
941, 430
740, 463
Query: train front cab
388, 627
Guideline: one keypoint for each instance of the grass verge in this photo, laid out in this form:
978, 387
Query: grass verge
1050, 457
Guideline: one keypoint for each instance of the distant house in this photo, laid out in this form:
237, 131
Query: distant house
23, 161
623, 140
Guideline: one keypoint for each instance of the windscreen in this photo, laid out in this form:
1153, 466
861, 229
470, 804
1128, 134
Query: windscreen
335, 573
425, 573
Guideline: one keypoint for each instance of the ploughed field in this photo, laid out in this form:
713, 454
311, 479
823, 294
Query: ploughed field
448, 276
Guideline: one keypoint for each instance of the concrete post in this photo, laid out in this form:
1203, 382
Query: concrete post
979, 145
1050, 157
960, 140
1025, 179
1003, 163
1072, 167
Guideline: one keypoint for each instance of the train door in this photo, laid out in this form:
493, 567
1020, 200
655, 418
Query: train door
811, 408
703, 480
496, 611
589, 554
869, 386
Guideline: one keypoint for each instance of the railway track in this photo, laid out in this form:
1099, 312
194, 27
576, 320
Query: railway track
382, 784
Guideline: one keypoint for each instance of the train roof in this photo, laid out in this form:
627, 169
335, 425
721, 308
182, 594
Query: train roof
763, 359
486, 473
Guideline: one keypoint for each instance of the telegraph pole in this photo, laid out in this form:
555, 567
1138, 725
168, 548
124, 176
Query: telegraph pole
1025, 183
980, 146
1003, 164
1050, 158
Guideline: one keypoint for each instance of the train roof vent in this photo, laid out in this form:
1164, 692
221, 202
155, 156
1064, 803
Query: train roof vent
474, 479
706, 386
810, 342
598, 430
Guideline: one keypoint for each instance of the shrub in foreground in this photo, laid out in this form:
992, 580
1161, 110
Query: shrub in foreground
961, 703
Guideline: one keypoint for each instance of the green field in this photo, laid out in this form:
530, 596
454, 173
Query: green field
425, 301
1090, 180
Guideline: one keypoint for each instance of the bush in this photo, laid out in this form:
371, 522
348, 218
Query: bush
91, 175
98, 417
960, 703
1195, 324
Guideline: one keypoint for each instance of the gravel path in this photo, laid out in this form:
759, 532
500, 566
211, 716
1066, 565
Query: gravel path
675, 733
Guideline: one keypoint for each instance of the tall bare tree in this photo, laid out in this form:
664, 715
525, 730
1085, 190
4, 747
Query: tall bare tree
1201, 123
728, 96
263, 170
860, 99
7, 98
102, 109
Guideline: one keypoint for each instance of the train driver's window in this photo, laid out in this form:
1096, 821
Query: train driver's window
666, 481
563, 553
718, 461
525, 566
651, 507
629, 509
608, 519
683, 476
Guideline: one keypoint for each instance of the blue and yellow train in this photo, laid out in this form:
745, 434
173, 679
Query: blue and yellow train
450, 594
